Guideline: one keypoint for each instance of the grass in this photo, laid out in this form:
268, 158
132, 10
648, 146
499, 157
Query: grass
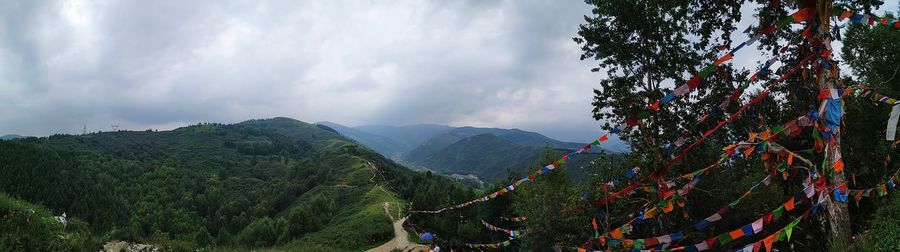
361, 225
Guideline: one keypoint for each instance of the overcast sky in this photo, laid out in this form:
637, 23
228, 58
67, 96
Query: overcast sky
165, 64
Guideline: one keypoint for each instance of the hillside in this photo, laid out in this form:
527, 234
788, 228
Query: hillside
478, 154
381, 144
484, 152
520, 137
260, 183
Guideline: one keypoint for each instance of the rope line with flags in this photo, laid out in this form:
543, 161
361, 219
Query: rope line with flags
685, 88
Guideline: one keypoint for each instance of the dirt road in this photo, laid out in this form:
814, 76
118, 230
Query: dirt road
401, 240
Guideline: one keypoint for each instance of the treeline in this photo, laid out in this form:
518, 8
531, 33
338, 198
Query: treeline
255, 184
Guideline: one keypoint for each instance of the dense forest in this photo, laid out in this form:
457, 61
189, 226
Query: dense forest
260, 183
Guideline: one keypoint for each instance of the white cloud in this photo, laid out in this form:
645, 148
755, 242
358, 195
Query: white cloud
161, 64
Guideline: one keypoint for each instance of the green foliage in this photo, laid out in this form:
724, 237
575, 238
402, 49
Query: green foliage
884, 235
259, 183
479, 155
25, 226
544, 203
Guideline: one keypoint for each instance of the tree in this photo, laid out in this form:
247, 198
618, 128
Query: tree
550, 222
871, 56
642, 44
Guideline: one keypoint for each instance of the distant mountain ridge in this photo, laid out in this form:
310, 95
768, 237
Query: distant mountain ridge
11, 137
485, 152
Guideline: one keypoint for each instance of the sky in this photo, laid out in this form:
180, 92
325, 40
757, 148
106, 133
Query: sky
164, 64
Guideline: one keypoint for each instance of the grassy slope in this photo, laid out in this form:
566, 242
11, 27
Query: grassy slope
358, 224
361, 223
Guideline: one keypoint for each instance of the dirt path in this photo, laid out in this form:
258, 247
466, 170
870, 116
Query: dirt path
401, 240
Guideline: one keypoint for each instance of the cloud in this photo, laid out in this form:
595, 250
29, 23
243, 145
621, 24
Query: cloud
163, 64
169, 63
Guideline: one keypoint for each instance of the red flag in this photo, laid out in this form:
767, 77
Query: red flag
712, 242
694, 82
631, 121
735, 95
603, 138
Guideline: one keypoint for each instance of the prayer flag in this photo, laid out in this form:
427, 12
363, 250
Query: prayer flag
768, 242
891, 132
693, 82
723, 59
747, 230
757, 225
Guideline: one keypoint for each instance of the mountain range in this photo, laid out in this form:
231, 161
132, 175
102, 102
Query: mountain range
483, 152
11, 137
277, 182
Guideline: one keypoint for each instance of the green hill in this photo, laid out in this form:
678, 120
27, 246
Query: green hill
491, 158
262, 183
464, 150
478, 155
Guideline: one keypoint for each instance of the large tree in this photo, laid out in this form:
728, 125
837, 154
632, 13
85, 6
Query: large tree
645, 48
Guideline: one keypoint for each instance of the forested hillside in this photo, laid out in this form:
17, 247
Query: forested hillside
490, 154
261, 183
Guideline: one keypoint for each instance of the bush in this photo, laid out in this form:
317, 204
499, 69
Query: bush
884, 228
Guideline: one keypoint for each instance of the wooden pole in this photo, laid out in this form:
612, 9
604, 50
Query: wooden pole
838, 215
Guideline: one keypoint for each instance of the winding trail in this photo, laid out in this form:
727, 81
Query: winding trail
401, 239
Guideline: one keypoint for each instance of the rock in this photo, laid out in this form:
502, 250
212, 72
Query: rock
122, 246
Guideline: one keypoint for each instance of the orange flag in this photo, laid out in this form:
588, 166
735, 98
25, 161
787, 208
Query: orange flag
737, 233
616, 233
748, 151
765, 135
768, 242
845, 15
789, 205
669, 207
839, 166
790, 160
724, 58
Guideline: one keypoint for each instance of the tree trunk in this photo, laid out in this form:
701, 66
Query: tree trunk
838, 215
